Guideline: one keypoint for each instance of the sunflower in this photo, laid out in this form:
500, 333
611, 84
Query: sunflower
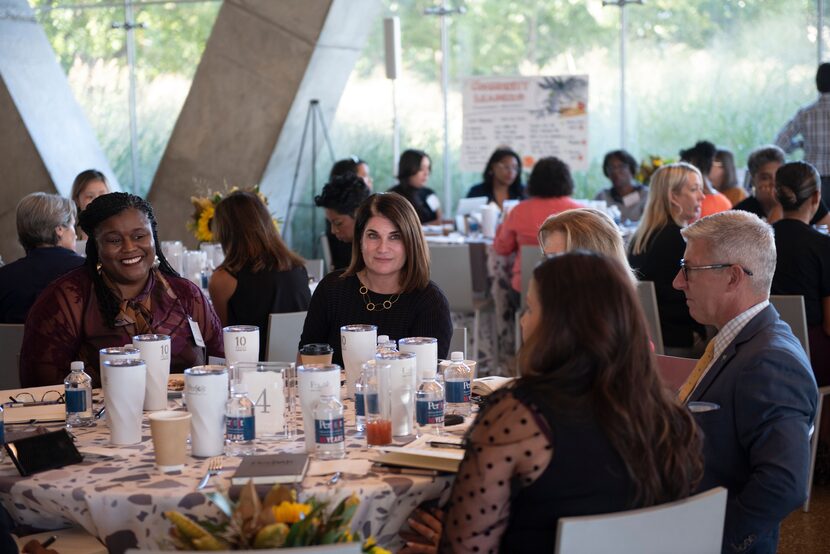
290, 512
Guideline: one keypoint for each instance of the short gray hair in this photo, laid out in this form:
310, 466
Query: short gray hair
741, 238
764, 155
38, 217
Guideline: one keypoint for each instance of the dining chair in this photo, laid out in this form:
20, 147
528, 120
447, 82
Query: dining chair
648, 301
674, 371
792, 312
325, 249
693, 525
451, 270
458, 342
531, 256
284, 332
11, 338
822, 392
316, 269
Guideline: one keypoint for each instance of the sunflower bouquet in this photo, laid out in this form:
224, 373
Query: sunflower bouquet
200, 223
648, 167
278, 521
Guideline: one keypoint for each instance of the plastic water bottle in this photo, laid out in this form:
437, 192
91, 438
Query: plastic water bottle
240, 423
429, 406
329, 431
78, 395
368, 377
386, 345
457, 383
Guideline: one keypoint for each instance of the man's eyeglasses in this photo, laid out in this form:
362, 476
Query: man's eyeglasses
687, 268
27, 397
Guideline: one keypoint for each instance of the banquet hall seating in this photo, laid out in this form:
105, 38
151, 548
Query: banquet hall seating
792, 311
284, 332
316, 269
531, 256
648, 301
11, 337
693, 525
450, 269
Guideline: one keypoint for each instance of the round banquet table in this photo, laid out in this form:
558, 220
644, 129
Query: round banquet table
118, 495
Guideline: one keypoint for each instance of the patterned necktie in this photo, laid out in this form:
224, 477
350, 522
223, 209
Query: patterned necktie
697, 372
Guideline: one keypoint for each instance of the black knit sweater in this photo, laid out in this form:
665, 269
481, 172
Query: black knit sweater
337, 302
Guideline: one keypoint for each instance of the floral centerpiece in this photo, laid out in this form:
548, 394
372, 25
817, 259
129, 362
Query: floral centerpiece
278, 521
205, 208
648, 167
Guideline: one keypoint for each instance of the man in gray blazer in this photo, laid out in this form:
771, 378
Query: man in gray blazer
757, 444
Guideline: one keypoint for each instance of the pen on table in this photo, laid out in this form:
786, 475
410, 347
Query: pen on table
440, 444
48, 542
100, 412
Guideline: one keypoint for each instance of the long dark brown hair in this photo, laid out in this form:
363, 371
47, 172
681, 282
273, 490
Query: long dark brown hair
248, 236
398, 210
591, 348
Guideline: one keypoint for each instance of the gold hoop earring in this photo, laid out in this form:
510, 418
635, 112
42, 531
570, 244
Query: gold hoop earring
98, 267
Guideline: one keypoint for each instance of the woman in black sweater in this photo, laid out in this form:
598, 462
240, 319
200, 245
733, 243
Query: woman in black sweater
260, 274
387, 283
803, 261
674, 199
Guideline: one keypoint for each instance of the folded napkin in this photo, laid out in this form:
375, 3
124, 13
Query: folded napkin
484, 386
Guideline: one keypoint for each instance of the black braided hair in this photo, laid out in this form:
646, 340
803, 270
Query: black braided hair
98, 211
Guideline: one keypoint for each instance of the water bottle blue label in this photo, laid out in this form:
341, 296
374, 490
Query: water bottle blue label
2, 433
457, 392
429, 412
372, 403
240, 428
76, 400
359, 404
329, 431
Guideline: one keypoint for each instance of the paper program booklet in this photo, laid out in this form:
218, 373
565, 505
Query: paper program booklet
423, 454
484, 386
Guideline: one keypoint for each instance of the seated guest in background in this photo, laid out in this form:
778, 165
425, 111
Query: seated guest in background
588, 428
413, 173
340, 199
125, 288
803, 265
88, 185
502, 178
757, 442
352, 164
724, 177
763, 163
702, 156
583, 229
46, 231
625, 192
387, 283
549, 191
259, 275
657, 247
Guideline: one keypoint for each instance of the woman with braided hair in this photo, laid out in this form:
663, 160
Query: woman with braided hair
125, 288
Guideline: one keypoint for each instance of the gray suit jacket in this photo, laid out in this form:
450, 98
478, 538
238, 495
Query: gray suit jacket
757, 444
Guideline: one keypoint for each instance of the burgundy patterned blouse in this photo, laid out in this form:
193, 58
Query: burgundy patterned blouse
65, 325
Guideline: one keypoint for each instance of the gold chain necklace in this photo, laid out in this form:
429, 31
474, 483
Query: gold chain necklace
373, 306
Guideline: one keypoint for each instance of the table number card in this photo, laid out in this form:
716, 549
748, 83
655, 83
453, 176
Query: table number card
267, 391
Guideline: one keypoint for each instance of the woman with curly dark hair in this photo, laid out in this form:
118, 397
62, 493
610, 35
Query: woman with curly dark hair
588, 427
340, 199
125, 288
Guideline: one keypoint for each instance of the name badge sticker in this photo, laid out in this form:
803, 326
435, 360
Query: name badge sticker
197, 333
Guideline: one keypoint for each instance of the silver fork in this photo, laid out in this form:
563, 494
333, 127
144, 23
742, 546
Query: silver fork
214, 467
